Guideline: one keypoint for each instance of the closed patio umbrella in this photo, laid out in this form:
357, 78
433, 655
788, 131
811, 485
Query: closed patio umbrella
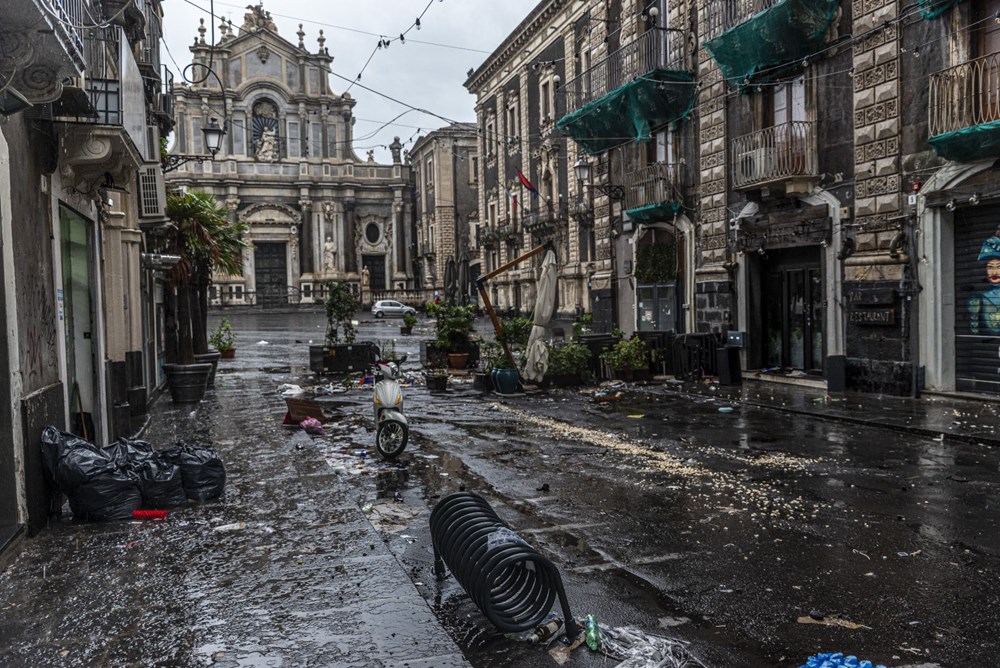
450, 288
545, 302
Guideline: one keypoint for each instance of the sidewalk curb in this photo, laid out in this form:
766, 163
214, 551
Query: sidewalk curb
919, 431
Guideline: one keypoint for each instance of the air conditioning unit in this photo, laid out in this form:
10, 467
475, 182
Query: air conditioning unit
755, 165
152, 193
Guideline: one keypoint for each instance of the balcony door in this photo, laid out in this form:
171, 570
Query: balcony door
986, 74
785, 116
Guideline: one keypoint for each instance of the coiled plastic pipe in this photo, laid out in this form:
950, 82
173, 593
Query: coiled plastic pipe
512, 585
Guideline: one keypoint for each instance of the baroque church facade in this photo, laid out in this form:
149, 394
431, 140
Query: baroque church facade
316, 211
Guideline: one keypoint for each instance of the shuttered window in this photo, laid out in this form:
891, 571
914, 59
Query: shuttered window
977, 299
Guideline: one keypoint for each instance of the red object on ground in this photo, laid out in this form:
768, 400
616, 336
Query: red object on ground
149, 514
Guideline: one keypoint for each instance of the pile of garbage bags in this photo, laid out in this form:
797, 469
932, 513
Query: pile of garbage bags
110, 483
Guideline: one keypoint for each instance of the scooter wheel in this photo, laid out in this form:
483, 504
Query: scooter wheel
390, 439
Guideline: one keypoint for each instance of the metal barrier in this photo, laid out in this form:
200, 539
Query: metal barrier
512, 585
695, 356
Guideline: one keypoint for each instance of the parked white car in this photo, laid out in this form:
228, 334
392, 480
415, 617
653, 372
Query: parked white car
389, 307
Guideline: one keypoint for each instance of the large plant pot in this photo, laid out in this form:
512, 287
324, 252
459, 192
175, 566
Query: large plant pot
210, 358
458, 360
342, 358
505, 381
406, 331
187, 382
228, 354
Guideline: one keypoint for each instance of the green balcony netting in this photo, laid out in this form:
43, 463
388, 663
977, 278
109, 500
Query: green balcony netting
931, 9
629, 112
655, 213
784, 33
978, 142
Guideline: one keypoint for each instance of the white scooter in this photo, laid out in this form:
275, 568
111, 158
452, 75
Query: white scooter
391, 428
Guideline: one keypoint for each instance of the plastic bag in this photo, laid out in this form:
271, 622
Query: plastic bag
97, 487
161, 484
202, 472
637, 649
125, 451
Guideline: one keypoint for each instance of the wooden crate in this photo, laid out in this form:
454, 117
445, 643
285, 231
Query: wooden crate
299, 409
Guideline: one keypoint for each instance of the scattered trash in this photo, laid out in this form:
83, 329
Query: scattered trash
637, 417
262, 343
637, 649
543, 488
608, 397
312, 426
832, 621
149, 514
592, 633
226, 528
837, 660
725, 409
289, 390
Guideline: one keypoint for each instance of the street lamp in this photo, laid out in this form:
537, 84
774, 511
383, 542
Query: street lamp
213, 133
612, 192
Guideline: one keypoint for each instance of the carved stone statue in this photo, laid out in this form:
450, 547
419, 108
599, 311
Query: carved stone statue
371, 157
396, 148
329, 253
256, 19
366, 277
267, 147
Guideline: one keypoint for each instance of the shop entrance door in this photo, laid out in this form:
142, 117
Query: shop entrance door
794, 309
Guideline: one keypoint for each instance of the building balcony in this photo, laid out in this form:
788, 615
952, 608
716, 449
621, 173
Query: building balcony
964, 122
644, 85
930, 9
652, 194
748, 36
781, 154
42, 47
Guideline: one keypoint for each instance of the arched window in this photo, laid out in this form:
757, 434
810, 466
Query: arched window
265, 134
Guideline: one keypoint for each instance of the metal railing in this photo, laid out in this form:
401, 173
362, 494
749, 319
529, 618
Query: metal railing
654, 49
965, 95
71, 14
654, 184
102, 50
722, 15
776, 153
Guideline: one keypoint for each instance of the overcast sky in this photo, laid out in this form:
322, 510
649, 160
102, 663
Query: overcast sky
426, 71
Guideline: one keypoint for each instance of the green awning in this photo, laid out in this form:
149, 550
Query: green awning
969, 144
631, 111
931, 9
781, 34
655, 213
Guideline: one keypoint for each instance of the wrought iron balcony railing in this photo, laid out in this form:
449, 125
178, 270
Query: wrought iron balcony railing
657, 183
775, 154
652, 50
722, 15
965, 95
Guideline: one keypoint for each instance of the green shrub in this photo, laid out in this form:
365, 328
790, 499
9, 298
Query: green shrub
572, 359
627, 354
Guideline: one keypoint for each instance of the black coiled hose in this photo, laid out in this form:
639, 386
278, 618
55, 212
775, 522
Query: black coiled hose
511, 583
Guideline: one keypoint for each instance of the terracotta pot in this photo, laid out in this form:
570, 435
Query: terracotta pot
458, 360
228, 354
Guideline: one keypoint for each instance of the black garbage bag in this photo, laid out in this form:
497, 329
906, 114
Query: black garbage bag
109, 495
126, 451
202, 471
98, 489
161, 484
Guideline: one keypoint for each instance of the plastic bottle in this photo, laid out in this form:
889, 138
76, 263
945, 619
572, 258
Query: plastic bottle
593, 633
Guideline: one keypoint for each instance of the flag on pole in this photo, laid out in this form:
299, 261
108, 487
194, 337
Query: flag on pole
527, 184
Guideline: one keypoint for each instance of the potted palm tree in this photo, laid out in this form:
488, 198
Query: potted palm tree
205, 240
339, 353
408, 322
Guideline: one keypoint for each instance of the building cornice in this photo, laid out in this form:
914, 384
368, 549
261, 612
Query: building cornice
534, 23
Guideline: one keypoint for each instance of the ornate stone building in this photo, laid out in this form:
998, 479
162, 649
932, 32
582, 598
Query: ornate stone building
316, 210
446, 173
